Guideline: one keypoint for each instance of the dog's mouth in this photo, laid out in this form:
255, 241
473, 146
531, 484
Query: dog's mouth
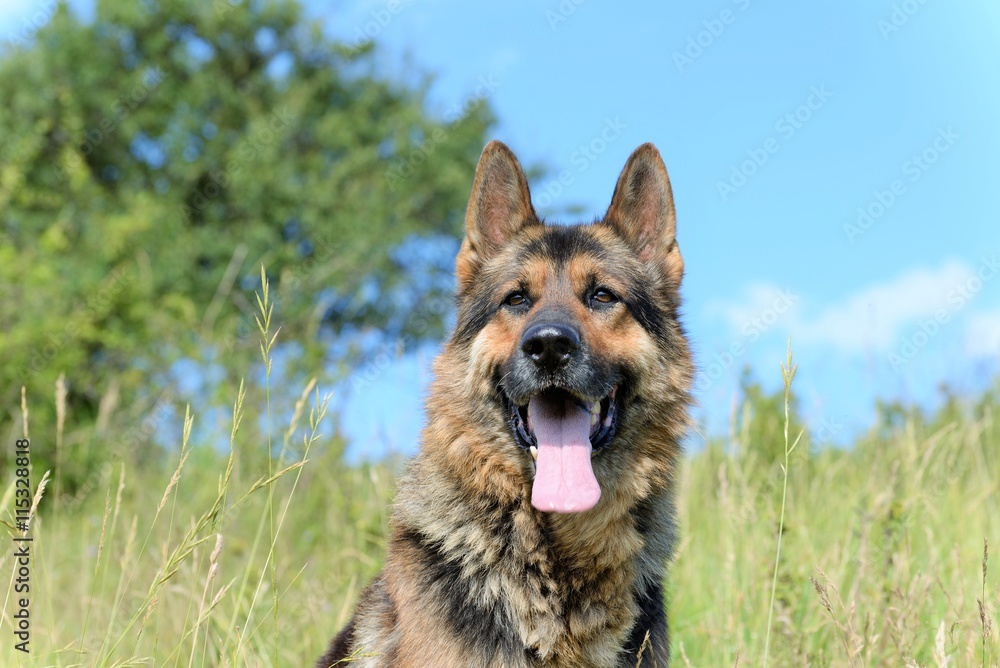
562, 433
602, 414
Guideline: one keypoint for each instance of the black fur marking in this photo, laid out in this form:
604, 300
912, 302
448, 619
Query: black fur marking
646, 312
652, 618
560, 244
340, 648
480, 628
643, 516
474, 312
345, 644
476, 307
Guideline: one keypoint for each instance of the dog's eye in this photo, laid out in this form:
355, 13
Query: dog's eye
602, 296
516, 300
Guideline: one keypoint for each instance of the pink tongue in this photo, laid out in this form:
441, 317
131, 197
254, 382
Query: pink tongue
564, 479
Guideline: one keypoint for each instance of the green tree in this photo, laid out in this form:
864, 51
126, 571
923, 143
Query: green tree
154, 158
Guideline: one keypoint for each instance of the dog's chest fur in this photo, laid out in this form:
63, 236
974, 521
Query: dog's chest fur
520, 588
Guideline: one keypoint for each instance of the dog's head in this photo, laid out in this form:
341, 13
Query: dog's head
570, 334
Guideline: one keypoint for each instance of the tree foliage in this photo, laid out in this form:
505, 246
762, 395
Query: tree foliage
153, 158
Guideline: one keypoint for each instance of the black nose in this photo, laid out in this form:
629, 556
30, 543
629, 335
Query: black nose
550, 345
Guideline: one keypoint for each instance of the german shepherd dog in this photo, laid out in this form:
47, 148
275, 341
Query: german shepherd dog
534, 526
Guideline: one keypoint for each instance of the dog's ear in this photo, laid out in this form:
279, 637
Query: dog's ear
642, 211
499, 206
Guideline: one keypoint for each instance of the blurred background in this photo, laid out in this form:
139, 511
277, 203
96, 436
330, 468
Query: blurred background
833, 165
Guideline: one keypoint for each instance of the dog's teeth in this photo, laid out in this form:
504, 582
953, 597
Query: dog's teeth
534, 452
595, 412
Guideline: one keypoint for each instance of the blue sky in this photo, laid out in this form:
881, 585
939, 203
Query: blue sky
833, 164
886, 107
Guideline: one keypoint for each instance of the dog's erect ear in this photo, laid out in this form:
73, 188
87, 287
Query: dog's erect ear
642, 211
499, 207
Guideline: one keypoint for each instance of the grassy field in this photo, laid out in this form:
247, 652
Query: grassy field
229, 557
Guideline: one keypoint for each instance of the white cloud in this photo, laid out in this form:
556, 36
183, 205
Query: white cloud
871, 319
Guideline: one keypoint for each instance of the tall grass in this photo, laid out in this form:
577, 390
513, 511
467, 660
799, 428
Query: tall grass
869, 556
881, 557
787, 375
101, 596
